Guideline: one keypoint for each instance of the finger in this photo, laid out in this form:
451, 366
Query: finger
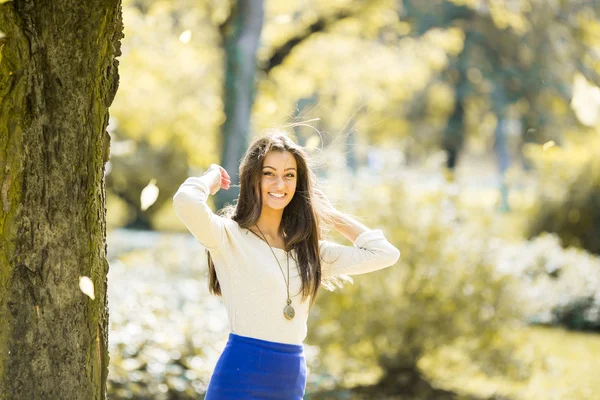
223, 171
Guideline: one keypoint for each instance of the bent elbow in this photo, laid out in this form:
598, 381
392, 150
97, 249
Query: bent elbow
182, 204
394, 255
181, 199
177, 198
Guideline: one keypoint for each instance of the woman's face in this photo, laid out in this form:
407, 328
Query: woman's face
278, 179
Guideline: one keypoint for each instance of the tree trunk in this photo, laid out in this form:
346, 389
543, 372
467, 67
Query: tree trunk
454, 132
241, 38
58, 76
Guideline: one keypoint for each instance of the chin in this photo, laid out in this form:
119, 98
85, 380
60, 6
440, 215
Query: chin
277, 206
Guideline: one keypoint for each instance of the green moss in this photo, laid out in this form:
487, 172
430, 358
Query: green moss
14, 58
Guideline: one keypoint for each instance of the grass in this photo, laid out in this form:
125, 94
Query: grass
565, 365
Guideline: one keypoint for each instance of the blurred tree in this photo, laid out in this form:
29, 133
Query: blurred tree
414, 74
517, 63
568, 202
241, 34
214, 121
58, 76
166, 117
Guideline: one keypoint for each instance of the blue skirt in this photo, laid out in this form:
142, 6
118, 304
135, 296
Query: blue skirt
255, 369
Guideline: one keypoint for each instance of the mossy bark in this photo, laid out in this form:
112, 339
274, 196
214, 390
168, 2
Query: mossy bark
58, 76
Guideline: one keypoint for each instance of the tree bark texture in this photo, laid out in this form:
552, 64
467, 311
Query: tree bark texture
241, 39
58, 76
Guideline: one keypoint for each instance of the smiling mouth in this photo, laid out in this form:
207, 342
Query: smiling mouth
280, 197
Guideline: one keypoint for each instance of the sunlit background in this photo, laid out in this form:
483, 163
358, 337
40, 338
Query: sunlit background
469, 131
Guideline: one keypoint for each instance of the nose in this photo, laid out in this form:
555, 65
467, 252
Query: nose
279, 183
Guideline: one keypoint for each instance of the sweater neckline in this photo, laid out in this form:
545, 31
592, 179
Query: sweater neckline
276, 249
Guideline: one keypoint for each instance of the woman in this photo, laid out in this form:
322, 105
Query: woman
267, 261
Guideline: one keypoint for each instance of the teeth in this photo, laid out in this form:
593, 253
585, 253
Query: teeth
280, 195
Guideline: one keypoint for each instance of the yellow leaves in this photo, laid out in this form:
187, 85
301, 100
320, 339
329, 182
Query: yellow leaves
347, 69
170, 86
440, 99
509, 18
436, 57
469, 3
589, 26
86, 286
449, 40
575, 162
403, 28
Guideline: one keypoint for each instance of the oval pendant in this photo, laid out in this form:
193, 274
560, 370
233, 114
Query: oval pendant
289, 312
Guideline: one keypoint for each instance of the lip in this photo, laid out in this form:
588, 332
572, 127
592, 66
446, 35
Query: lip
277, 198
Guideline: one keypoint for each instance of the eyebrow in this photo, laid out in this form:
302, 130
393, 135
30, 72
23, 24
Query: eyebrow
268, 166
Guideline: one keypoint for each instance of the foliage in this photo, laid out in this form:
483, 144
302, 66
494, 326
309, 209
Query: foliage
166, 330
455, 299
561, 286
168, 108
445, 287
131, 172
171, 70
568, 203
565, 366
399, 72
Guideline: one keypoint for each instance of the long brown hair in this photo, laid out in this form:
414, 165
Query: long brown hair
302, 217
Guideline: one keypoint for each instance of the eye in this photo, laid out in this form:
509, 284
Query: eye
290, 175
267, 173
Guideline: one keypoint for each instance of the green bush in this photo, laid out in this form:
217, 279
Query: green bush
561, 286
568, 202
445, 287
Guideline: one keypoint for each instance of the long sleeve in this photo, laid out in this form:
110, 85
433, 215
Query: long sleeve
371, 252
191, 208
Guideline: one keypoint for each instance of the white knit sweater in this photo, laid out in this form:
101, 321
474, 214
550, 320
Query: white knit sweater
252, 285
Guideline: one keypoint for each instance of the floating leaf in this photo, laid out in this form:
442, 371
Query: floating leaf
586, 101
548, 145
149, 195
185, 36
87, 286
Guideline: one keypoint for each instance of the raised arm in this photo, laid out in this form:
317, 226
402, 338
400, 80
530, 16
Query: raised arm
371, 252
191, 208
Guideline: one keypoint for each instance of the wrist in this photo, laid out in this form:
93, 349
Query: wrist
338, 219
213, 180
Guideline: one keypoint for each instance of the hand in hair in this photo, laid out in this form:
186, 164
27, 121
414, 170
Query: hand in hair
219, 178
341, 222
323, 204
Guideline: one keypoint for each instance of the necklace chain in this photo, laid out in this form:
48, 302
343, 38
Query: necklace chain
288, 311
